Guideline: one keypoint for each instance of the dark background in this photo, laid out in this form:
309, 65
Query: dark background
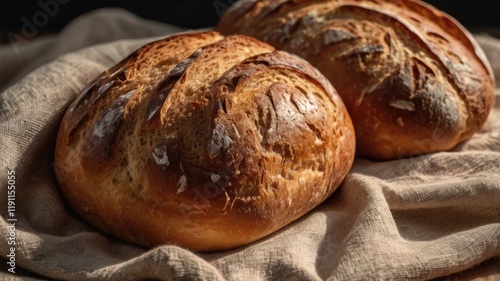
475, 15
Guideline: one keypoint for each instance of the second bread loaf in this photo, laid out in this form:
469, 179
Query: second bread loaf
413, 79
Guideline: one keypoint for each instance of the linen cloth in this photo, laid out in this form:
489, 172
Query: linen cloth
419, 218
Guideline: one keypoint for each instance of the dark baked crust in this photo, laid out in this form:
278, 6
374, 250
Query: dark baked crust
413, 79
203, 141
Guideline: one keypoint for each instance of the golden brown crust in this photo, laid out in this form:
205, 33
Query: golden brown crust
203, 141
413, 79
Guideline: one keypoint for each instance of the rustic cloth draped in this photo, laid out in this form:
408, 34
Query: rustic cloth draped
419, 218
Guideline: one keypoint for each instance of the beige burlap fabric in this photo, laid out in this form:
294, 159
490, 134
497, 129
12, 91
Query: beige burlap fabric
418, 218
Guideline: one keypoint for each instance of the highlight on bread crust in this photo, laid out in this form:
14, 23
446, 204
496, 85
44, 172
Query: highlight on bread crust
203, 141
413, 79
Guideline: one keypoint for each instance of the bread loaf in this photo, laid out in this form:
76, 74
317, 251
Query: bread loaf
203, 141
412, 78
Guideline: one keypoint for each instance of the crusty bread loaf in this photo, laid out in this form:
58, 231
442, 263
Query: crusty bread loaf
412, 78
203, 141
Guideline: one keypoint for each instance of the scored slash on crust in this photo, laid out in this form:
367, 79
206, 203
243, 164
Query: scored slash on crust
157, 100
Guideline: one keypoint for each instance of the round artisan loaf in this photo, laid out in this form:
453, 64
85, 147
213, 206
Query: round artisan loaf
412, 78
203, 141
